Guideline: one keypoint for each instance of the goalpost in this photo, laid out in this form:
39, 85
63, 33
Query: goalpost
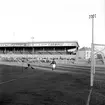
97, 58
95, 50
92, 51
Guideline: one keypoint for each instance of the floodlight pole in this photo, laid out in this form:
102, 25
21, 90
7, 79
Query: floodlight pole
92, 52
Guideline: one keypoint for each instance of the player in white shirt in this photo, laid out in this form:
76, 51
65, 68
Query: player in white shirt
53, 63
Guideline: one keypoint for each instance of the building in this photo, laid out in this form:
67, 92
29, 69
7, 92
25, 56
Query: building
84, 53
54, 48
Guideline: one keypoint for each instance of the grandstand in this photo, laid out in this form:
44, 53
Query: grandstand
54, 48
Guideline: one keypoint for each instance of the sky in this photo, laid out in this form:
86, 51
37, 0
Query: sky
52, 20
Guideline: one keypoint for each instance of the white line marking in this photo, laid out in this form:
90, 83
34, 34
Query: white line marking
13, 80
8, 81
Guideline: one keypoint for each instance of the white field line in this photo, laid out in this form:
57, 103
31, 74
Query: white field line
8, 81
12, 80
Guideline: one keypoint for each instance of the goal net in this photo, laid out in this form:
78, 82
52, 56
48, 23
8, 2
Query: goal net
99, 54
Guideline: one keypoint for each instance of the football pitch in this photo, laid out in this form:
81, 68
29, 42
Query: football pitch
67, 85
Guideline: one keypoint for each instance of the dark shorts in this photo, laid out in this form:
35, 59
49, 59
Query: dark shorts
28, 64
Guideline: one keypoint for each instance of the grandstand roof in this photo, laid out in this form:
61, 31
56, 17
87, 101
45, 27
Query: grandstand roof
47, 43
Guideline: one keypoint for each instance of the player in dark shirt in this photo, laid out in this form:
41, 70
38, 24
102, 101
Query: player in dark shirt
29, 65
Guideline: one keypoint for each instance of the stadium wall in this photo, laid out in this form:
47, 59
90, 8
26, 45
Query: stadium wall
38, 56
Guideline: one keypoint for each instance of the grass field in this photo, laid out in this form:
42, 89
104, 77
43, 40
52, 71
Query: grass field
67, 85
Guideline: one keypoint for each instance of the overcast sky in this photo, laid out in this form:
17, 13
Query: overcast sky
52, 20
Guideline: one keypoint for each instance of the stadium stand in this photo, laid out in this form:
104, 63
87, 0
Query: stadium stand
42, 51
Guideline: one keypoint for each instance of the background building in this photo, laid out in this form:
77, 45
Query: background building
84, 53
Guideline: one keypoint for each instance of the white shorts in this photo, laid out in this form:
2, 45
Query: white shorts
53, 66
